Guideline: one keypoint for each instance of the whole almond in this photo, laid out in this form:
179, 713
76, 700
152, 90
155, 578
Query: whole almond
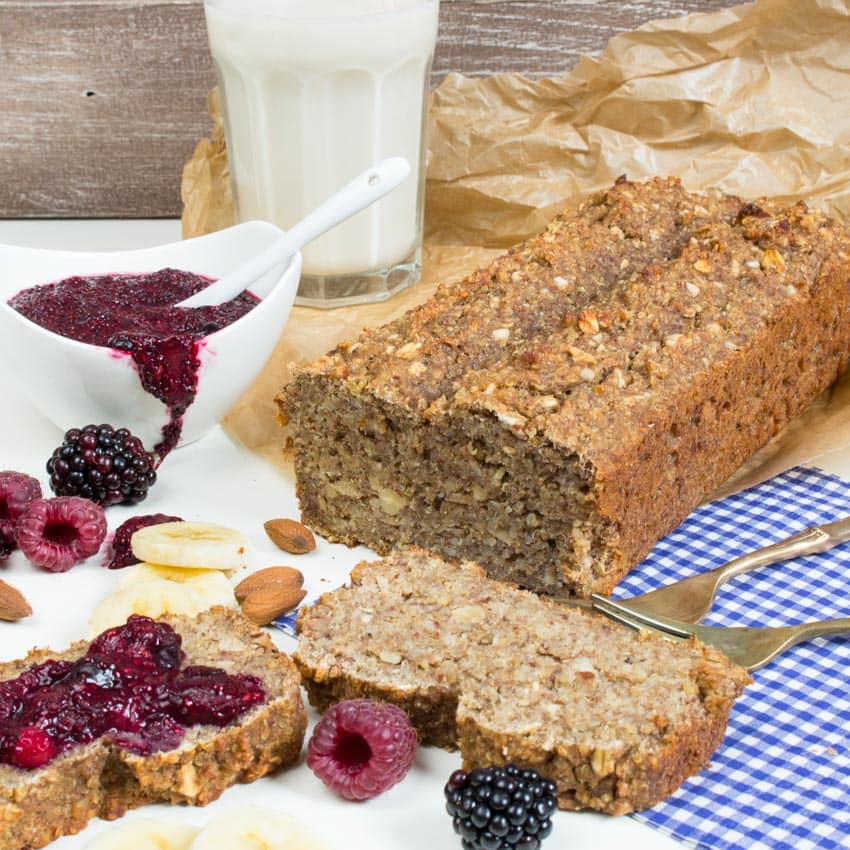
286, 577
268, 603
290, 535
13, 604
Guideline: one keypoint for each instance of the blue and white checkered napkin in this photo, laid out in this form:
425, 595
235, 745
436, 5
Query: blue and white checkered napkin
781, 778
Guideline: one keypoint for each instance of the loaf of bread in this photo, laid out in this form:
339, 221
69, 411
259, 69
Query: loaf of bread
553, 415
618, 719
101, 779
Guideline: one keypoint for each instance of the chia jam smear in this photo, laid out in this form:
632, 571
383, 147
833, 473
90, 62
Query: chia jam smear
136, 314
129, 687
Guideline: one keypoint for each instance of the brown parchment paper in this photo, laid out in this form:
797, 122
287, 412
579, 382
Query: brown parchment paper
753, 100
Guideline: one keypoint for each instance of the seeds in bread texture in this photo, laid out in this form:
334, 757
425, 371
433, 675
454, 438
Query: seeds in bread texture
554, 414
617, 719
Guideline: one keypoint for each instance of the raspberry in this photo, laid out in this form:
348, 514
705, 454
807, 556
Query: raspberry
362, 747
57, 533
33, 748
500, 808
103, 464
16, 492
121, 555
7, 544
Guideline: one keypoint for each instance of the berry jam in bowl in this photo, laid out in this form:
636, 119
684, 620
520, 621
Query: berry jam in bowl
94, 336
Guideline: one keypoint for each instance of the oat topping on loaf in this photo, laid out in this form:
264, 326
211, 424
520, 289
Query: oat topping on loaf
616, 718
103, 780
556, 413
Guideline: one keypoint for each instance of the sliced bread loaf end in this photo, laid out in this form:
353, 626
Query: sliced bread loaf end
616, 718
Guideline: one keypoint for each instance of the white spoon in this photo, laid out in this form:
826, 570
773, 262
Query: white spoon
364, 190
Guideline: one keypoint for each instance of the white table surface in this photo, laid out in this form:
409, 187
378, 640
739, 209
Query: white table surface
217, 480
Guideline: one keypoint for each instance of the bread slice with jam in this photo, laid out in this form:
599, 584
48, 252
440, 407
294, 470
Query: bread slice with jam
107, 776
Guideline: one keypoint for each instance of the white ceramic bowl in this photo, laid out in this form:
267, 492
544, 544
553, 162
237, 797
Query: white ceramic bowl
74, 383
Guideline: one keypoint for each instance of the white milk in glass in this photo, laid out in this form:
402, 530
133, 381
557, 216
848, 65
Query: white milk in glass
314, 92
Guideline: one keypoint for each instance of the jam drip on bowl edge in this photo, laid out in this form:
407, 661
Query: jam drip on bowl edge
135, 315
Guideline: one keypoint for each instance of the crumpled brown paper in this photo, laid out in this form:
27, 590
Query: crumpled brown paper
753, 100
206, 193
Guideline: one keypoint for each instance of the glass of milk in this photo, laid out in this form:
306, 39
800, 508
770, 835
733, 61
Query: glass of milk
314, 92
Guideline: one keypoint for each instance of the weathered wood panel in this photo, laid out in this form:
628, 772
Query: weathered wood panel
541, 37
102, 101
100, 104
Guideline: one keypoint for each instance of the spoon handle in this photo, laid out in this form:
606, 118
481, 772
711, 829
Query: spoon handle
362, 191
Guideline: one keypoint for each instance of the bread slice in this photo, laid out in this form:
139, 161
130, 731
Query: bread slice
103, 780
618, 719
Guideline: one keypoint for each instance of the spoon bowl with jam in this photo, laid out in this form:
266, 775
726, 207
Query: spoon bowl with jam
98, 336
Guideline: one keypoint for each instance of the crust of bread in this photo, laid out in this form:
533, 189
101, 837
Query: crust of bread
554, 414
103, 780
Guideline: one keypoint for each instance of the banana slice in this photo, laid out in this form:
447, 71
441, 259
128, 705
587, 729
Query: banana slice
145, 834
193, 545
255, 828
181, 575
153, 590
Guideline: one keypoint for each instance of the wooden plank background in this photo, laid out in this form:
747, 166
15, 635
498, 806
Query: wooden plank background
102, 101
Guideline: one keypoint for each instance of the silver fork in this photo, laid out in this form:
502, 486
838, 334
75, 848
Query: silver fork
751, 647
691, 599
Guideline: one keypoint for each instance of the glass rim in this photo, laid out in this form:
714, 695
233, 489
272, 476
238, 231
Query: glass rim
238, 7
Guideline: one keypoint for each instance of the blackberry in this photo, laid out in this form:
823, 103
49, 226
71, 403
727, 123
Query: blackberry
500, 808
107, 465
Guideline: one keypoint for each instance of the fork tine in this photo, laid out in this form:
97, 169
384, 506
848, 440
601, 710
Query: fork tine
624, 614
614, 613
749, 646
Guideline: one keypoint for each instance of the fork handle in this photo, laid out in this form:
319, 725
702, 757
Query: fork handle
816, 538
822, 628
788, 636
